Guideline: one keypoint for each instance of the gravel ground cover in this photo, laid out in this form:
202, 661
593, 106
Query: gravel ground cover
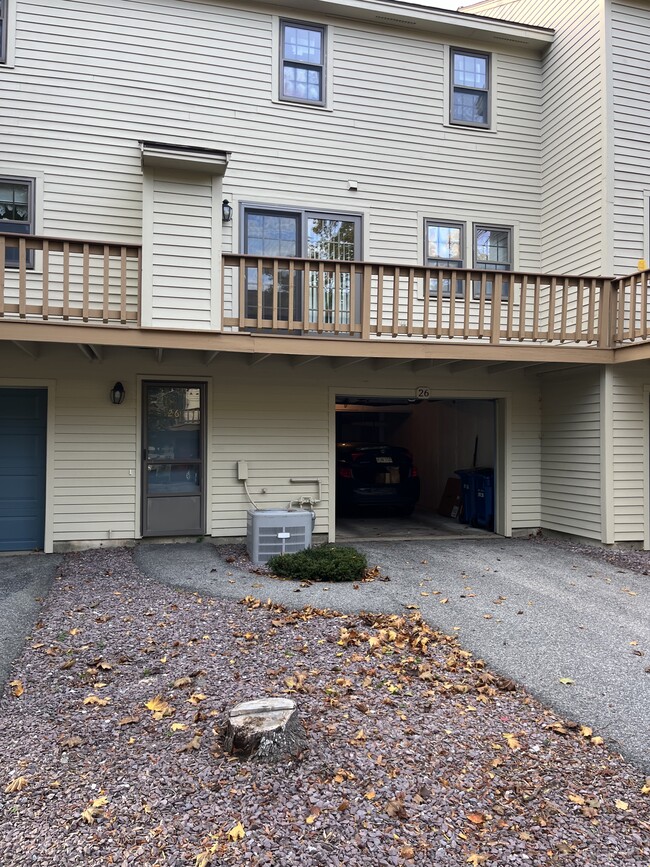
417, 754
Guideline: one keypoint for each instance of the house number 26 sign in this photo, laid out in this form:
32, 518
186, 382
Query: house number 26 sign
422, 393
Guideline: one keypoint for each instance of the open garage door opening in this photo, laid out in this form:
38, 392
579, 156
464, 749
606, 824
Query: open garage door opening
411, 468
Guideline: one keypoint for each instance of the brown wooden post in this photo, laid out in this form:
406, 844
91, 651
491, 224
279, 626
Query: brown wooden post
495, 314
607, 308
365, 302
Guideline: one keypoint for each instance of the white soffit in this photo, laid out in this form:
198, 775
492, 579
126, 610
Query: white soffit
183, 158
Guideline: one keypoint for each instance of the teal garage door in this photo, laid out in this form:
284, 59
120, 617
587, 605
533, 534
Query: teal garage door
23, 428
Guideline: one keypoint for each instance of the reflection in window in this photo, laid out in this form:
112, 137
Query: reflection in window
17, 214
470, 88
303, 62
444, 249
492, 252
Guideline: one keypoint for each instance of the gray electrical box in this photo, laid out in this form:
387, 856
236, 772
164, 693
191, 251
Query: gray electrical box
276, 531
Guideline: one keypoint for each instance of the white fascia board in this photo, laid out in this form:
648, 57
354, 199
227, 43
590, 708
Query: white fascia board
455, 25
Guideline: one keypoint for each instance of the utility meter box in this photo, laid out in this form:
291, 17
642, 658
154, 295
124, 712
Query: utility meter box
277, 531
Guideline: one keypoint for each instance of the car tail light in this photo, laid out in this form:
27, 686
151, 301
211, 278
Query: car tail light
413, 473
356, 455
345, 472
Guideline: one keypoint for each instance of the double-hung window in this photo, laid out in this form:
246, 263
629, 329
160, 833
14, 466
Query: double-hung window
470, 88
17, 214
302, 62
492, 252
444, 245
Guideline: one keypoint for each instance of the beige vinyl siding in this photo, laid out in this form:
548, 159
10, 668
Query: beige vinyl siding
630, 449
182, 260
630, 37
88, 85
272, 415
94, 450
571, 454
526, 456
573, 160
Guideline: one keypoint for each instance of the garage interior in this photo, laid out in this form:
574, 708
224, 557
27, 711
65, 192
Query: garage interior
443, 435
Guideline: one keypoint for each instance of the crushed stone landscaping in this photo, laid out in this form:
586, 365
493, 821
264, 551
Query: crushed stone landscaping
417, 754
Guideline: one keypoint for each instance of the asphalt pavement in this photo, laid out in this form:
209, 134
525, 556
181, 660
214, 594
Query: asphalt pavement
536, 613
24, 582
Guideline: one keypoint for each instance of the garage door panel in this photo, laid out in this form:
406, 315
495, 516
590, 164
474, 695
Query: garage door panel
23, 423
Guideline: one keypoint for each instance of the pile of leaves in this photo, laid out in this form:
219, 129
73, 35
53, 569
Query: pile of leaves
324, 563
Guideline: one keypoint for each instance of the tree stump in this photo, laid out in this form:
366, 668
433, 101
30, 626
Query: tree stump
267, 729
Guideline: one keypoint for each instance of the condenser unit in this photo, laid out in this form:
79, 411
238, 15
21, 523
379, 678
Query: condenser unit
276, 531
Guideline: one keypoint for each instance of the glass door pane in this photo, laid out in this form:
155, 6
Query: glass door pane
275, 234
332, 238
173, 459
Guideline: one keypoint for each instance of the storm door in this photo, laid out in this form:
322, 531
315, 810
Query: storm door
173, 440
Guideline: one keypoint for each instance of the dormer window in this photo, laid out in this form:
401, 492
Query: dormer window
302, 62
470, 88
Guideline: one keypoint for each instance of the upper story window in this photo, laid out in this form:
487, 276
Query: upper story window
17, 212
3, 31
470, 88
302, 62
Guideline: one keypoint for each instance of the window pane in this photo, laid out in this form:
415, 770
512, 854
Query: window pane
301, 83
470, 71
330, 239
444, 242
493, 248
14, 201
302, 44
470, 107
271, 234
173, 423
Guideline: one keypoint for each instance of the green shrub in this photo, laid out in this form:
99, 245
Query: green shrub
325, 563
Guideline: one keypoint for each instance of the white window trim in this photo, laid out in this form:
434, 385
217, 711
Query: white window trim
10, 59
446, 93
276, 60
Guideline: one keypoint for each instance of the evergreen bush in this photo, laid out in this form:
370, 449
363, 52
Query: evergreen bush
325, 563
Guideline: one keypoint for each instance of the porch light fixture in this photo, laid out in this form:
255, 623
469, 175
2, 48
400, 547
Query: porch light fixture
118, 394
226, 211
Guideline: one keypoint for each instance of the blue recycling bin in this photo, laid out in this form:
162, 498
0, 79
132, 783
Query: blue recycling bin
484, 498
477, 485
468, 493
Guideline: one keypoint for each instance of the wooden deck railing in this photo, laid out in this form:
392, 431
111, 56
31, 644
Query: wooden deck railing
44, 278
371, 300
631, 321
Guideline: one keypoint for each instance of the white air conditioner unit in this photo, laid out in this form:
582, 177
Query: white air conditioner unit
276, 531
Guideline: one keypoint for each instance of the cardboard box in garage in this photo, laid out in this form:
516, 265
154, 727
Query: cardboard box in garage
452, 499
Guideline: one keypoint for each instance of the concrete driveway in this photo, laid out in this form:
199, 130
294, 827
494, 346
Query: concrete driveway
536, 613
24, 581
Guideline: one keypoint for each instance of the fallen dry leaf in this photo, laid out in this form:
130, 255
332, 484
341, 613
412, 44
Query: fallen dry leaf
17, 687
16, 785
476, 818
159, 707
621, 805
567, 681
314, 813
512, 741
97, 701
237, 832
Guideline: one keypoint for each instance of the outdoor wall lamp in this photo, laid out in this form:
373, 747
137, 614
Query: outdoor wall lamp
226, 211
118, 394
